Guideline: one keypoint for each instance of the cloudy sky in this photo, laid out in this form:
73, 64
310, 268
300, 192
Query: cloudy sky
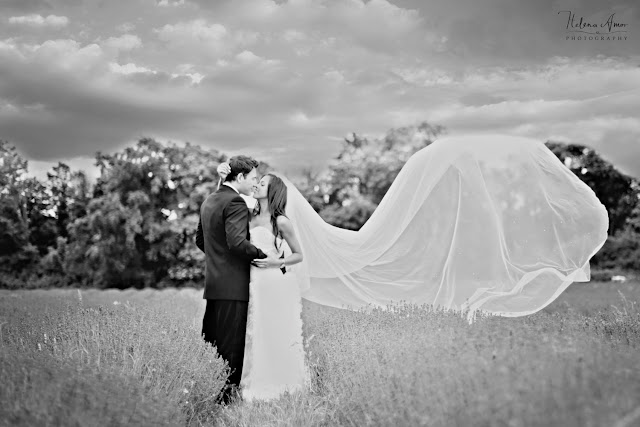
285, 81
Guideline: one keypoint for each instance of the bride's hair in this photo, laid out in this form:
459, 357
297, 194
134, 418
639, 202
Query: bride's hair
277, 199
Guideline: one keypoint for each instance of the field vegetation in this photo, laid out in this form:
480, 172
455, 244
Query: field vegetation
135, 357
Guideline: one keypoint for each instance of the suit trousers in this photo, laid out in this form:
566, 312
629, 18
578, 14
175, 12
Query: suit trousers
225, 326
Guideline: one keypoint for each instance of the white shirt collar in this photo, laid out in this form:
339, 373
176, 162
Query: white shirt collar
249, 200
229, 185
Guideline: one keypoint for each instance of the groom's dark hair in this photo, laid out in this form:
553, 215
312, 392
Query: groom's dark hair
240, 165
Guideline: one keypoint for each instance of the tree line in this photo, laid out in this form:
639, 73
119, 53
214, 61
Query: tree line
134, 227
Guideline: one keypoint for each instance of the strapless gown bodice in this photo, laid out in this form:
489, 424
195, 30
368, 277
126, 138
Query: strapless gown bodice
263, 238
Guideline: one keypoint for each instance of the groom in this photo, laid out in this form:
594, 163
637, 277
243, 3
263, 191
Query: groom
223, 235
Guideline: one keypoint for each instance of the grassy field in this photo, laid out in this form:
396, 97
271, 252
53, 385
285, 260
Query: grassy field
89, 357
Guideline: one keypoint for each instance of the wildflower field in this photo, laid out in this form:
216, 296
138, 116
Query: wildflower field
90, 357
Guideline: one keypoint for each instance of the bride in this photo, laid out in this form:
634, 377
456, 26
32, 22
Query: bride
478, 223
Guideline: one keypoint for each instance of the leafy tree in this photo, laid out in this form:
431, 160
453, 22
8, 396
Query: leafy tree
14, 231
42, 222
621, 251
60, 189
309, 183
16, 253
352, 214
139, 226
135, 227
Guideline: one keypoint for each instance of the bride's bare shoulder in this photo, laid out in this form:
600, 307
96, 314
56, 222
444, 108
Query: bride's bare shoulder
284, 223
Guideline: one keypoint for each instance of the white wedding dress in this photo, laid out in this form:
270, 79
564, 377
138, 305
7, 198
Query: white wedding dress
274, 359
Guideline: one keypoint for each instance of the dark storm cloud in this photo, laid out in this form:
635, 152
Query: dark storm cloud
69, 120
488, 31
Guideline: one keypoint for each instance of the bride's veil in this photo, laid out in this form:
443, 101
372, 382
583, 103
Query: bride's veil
491, 222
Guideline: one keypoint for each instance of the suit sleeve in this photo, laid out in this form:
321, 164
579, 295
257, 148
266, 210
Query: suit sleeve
235, 224
200, 236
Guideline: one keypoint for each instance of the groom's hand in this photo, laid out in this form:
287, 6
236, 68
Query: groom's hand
268, 262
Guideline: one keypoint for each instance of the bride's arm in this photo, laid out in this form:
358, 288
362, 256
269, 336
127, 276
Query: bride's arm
223, 170
289, 235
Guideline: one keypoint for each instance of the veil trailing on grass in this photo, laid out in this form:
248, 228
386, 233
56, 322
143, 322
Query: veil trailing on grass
489, 222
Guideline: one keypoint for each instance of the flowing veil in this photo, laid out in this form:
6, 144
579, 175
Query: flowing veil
486, 222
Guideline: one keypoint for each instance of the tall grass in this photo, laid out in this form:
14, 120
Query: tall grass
143, 362
147, 362
417, 366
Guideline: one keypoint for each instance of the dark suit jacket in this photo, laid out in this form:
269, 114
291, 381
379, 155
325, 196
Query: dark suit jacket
223, 235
